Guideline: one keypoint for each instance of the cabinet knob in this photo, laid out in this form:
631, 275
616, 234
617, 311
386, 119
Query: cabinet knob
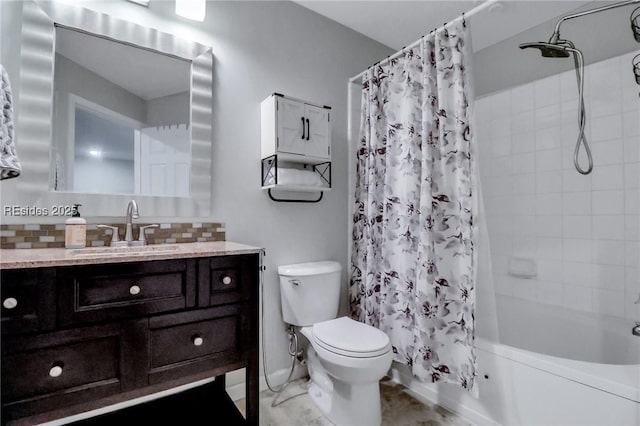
10, 302
197, 341
226, 280
56, 370
134, 290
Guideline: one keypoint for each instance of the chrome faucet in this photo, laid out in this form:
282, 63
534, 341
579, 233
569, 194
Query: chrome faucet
132, 213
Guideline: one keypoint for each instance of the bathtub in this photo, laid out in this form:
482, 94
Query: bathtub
553, 366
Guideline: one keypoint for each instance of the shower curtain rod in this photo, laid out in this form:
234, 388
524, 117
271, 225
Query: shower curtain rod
465, 15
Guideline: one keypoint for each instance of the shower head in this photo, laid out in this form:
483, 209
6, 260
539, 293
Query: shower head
548, 50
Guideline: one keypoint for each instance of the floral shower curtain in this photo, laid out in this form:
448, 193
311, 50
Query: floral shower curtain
413, 257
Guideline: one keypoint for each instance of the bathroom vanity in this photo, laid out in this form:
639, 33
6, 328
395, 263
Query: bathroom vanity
85, 329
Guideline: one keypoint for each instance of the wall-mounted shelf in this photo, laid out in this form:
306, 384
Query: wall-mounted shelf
284, 177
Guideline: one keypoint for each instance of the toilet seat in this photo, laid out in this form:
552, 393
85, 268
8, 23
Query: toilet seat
344, 336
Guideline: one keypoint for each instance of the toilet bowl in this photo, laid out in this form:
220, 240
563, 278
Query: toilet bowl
346, 361
346, 358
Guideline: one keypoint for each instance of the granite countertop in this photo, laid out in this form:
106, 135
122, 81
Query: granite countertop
40, 258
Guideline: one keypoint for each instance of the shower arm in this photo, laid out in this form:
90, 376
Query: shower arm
555, 37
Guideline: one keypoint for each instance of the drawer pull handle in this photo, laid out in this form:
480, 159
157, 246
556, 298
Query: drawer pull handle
134, 290
10, 302
197, 341
226, 280
56, 370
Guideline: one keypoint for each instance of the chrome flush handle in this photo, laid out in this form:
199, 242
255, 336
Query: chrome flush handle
295, 282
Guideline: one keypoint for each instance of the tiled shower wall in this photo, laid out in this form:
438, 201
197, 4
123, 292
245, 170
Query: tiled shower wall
583, 232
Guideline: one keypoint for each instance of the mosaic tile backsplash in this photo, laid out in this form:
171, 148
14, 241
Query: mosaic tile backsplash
28, 236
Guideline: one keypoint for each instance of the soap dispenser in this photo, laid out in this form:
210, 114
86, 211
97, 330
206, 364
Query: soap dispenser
75, 230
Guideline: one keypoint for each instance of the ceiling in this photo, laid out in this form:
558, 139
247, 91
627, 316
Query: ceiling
398, 23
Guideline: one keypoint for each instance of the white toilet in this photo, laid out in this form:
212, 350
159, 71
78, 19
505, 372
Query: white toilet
346, 358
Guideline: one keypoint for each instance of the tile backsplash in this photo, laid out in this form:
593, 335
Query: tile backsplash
52, 236
582, 231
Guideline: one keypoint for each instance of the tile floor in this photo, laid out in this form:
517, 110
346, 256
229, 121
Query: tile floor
295, 408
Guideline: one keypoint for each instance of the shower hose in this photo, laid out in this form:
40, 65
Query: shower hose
578, 62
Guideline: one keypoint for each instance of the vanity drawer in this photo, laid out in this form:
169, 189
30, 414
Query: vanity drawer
100, 292
223, 280
193, 342
72, 366
28, 300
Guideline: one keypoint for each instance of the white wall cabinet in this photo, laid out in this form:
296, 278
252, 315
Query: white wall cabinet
295, 130
296, 146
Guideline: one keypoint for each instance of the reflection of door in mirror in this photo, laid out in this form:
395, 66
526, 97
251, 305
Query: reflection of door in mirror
121, 118
164, 161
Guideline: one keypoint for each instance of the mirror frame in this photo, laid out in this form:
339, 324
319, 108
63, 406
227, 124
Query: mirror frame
35, 113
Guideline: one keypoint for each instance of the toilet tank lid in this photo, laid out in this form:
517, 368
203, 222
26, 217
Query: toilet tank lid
310, 268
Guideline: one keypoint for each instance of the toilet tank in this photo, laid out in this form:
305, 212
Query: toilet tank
310, 292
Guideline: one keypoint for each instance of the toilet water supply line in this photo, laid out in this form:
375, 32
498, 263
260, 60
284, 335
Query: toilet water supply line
293, 338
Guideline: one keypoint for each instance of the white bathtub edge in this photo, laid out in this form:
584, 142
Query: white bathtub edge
566, 369
512, 392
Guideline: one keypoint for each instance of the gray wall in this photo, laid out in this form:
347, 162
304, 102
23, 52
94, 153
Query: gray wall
260, 48
168, 110
280, 47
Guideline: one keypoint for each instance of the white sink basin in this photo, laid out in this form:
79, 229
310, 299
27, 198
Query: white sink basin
125, 251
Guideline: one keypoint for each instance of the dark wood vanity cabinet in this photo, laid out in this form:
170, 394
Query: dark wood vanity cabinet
75, 338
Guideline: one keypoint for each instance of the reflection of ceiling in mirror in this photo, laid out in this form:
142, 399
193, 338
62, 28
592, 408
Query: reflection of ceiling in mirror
133, 69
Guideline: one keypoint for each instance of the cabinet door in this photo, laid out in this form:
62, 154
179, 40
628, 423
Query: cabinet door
226, 279
291, 126
319, 132
28, 300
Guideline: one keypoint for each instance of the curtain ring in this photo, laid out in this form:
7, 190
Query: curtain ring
464, 23
446, 33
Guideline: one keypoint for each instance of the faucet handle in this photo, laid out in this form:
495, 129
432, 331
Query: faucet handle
141, 233
115, 238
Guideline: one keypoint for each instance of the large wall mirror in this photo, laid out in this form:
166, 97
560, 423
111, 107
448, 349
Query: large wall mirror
113, 111
119, 129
